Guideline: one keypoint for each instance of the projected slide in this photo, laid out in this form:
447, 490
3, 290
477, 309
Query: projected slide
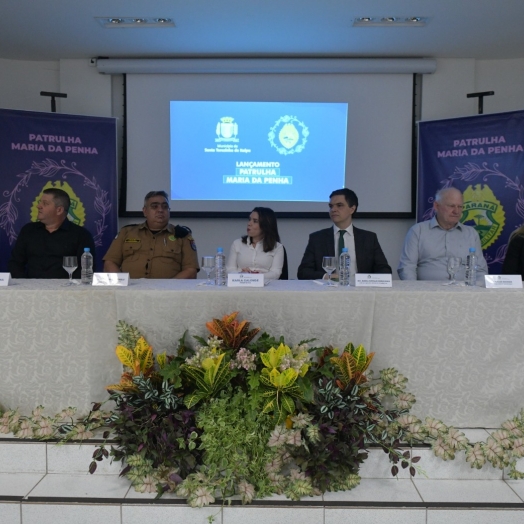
260, 151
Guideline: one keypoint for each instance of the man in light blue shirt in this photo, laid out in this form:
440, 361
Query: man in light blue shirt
429, 244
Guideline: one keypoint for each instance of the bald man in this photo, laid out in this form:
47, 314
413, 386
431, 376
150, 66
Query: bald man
429, 244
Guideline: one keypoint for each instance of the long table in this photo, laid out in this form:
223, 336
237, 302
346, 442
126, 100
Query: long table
462, 349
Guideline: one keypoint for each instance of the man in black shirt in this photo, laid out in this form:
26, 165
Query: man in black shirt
41, 245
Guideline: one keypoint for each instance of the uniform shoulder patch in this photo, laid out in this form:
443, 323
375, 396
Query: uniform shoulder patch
182, 231
192, 242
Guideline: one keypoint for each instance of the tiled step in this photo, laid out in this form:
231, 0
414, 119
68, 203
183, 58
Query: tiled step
44, 483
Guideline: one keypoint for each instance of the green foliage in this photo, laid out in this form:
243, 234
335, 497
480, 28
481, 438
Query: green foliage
234, 447
224, 420
152, 426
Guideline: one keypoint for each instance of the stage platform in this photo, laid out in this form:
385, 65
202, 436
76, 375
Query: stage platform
42, 483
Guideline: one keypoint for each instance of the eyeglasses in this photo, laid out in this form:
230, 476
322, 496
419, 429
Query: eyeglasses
158, 205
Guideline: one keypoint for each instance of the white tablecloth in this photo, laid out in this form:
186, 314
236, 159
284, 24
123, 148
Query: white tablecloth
461, 348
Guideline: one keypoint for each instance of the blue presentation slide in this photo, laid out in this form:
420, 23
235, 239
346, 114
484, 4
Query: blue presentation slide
261, 151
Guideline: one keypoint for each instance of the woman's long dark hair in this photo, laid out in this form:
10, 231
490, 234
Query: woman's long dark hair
268, 224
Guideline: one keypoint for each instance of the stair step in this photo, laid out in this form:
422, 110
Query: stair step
46, 482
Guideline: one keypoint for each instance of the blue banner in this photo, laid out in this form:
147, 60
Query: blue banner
69, 152
482, 156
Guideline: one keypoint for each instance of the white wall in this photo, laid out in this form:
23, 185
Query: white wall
21, 83
443, 96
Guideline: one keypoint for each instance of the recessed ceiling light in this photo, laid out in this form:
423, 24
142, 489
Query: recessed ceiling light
127, 22
390, 21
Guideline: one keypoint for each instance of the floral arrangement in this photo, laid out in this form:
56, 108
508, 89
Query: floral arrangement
239, 417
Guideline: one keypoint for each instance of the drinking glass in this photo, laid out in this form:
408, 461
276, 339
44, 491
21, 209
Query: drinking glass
70, 264
208, 264
329, 264
453, 265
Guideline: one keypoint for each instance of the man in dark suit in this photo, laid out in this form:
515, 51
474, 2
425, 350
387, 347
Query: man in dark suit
363, 247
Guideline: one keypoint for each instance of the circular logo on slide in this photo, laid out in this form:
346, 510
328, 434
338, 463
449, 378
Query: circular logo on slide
288, 135
484, 212
76, 214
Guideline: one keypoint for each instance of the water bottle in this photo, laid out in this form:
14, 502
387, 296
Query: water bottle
471, 268
344, 265
220, 268
86, 262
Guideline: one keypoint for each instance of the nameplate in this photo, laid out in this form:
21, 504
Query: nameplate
373, 280
110, 279
503, 281
4, 279
245, 280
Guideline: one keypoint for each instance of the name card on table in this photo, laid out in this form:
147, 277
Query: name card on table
503, 281
4, 279
245, 280
110, 279
373, 280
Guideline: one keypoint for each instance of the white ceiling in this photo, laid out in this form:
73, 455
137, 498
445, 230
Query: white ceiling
54, 29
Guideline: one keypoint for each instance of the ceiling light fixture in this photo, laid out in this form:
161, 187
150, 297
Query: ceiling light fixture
126, 22
391, 21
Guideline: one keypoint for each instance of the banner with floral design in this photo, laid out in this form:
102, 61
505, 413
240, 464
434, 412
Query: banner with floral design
71, 152
482, 156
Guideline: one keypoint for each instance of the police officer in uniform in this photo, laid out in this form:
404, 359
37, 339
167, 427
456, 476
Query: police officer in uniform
155, 248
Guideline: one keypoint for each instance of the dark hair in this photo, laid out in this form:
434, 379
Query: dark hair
349, 195
152, 194
60, 197
268, 224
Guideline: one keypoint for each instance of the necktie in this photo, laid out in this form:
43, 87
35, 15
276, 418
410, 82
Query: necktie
341, 241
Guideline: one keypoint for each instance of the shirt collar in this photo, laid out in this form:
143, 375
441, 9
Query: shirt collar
434, 223
170, 227
349, 229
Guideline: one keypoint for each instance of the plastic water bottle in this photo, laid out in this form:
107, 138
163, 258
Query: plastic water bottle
471, 268
86, 262
220, 268
344, 264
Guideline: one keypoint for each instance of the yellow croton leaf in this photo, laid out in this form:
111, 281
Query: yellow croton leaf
283, 379
161, 360
273, 358
125, 356
144, 353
